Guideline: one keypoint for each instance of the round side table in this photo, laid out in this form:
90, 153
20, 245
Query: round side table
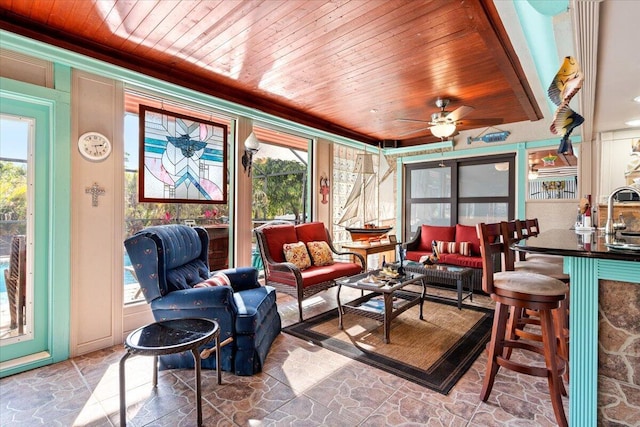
168, 337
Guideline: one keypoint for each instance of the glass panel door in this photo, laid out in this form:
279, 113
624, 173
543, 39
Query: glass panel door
16, 277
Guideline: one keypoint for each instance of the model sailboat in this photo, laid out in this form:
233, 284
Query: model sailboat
360, 210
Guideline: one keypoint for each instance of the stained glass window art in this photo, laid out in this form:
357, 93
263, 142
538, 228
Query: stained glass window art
182, 159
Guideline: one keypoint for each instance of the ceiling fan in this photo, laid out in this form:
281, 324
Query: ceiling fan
444, 123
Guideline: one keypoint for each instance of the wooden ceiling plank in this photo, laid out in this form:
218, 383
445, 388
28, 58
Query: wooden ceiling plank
282, 47
231, 47
170, 14
334, 60
129, 28
492, 30
246, 29
112, 15
137, 41
343, 60
323, 47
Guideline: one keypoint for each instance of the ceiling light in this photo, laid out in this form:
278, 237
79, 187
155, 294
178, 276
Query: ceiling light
637, 99
633, 123
502, 167
443, 130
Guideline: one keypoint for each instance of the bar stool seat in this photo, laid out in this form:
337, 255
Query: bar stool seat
554, 259
546, 268
521, 291
531, 284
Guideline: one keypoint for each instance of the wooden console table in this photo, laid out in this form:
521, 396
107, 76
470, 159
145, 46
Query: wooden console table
369, 249
218, 246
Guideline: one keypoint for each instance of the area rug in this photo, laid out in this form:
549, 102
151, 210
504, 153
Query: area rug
434, 352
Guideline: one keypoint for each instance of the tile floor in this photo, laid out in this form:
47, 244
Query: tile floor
301, 385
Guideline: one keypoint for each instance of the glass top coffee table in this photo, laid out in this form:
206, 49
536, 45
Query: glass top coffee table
168, 337
386, 300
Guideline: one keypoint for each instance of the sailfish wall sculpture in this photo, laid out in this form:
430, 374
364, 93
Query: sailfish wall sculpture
564, 86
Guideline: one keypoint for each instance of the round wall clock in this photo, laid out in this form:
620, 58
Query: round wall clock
94, 146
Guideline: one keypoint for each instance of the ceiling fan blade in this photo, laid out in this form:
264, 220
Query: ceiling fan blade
459, 113
479, 122
412, 120
412, 132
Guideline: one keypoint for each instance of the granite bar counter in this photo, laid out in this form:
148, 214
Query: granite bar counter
604, 388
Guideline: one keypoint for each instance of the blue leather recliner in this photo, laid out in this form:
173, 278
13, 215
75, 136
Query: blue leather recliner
169, 260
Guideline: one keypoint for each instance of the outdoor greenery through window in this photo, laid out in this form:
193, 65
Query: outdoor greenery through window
15, 184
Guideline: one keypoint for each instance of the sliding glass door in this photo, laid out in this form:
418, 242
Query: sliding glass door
459, 191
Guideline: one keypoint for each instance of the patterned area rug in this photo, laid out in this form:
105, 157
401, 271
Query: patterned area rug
434, 352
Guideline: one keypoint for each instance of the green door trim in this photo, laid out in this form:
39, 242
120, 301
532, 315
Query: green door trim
52, 228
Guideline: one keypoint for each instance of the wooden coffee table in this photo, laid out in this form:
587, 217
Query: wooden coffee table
385, 301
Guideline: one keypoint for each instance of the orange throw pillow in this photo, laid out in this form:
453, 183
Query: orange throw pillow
320, 253
296, 253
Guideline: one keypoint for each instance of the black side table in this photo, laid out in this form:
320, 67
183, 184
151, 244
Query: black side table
168, 337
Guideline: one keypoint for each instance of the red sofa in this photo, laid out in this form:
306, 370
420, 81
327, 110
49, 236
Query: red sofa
287, 277
420, 245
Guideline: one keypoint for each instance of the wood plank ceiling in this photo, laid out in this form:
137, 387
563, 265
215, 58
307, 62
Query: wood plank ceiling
348, 67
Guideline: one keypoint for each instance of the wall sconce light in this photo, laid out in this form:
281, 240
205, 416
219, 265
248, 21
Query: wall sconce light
251, 147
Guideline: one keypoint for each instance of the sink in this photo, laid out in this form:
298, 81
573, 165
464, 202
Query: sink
624, 246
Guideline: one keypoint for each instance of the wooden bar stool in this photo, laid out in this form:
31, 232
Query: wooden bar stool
512, 232
530, 228
525, 291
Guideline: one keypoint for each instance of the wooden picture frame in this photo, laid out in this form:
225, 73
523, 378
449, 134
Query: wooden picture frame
183, 159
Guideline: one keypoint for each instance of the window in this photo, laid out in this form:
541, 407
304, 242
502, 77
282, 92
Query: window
279, 177
213, 217
464, 191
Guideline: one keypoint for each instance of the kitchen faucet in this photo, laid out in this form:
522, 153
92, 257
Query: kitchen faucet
611, 226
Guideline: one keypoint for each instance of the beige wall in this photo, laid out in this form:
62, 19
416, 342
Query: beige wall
96, 231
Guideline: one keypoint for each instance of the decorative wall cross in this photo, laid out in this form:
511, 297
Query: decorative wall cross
95, 190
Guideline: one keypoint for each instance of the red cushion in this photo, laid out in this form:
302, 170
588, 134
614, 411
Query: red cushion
429, 233
311, 232
318, 274
468, 233
416, 255
461, 260
276, 236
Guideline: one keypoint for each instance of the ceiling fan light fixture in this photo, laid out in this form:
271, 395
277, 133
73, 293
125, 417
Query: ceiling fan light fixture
443, 130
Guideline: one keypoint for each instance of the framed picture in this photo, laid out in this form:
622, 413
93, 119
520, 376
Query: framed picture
182, 159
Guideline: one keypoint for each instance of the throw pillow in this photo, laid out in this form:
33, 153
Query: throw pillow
320, 253
465, 248
217, 279
296, 253
447, 247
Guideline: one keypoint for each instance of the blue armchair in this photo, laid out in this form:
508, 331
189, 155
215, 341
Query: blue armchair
169, 260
